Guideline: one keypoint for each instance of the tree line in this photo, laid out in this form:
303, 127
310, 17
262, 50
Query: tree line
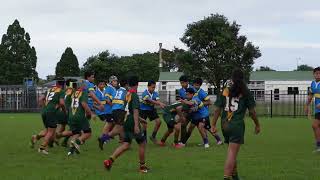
214, 49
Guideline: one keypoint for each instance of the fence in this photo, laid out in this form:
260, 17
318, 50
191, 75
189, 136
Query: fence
268, 103
19, 98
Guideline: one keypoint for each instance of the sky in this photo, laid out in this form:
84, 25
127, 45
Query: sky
286, 31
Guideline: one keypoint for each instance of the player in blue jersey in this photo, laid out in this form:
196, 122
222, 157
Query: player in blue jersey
89, 88
119, 112
100, 95
109, 92
150, 99
203, 96
184, 82
198, 114
315, 93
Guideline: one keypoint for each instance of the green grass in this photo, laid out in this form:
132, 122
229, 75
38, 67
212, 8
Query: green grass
282, 151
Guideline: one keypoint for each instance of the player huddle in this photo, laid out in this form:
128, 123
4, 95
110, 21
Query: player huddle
125, 115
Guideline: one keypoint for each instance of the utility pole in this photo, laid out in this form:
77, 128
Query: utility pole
160, 58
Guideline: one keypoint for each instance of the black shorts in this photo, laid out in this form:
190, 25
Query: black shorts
82, 126
205, 121
109, 118
106, 117
102, 117
49, 119
151, 114
119, 116
317, 116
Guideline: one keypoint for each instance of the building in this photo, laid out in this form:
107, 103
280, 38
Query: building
279, 83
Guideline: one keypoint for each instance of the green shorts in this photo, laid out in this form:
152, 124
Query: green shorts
233, 133
129, 132
62, 118
169, 118
80, 126
49, 119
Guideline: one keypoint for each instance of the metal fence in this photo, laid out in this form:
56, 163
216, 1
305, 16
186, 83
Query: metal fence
268, 103
19, 98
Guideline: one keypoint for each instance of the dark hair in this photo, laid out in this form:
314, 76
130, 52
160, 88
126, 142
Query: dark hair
190, 90
184, 78
60, 82
238, 85
88, 74
151, 82
133, 81
69, 81
198, 81
316, 69
123, 83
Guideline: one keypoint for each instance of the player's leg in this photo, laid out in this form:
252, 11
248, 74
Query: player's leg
207, 126
41, 134
118, 117
230, 163
188, 134
106, 129
120, 150
184, 125
73, 146
37, 137
177, 128
165, 137
51, 123
47, 138
141, 140
316, 130
203, 134
86, 132
155, 117
143, 166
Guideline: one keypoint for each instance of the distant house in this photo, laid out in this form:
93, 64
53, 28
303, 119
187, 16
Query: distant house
169, 81
260, 81
279, 83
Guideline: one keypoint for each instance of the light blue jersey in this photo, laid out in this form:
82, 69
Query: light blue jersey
201, 111
182, 92
119, 100
89, 87
109, 93
146, 95
100, 95
315, 90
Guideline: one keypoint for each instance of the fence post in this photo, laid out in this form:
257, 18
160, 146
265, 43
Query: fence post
294, 105
271, 99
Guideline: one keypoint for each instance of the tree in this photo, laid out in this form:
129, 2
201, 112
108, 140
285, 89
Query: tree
68, 64
304, 67
217, 48
103, 65
264, 68
18, 59
145, 66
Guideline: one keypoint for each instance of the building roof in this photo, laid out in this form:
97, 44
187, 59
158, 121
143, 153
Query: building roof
170, 76
52, 83
281, 76
255, 76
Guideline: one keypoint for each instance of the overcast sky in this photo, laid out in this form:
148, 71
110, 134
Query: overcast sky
286, 31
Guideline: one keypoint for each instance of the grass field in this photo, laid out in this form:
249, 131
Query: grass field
283, 150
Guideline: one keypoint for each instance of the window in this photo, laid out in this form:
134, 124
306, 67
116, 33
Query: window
276, 94
163, 85
293, 90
